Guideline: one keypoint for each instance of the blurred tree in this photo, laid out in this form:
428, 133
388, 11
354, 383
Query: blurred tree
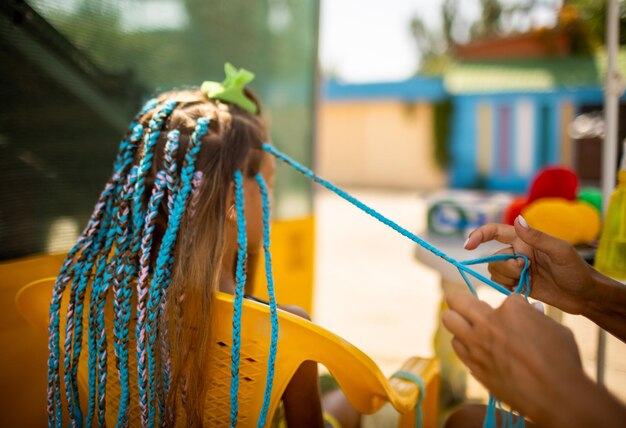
593, 14
584, 21
490, 21
434, 46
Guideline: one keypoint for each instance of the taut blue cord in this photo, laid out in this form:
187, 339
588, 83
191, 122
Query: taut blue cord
271, 361
461, 266
523, 285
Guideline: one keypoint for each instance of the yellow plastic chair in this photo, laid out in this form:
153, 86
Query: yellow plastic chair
24, 353
299, 340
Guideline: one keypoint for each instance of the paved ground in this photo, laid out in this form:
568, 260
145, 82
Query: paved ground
371, 291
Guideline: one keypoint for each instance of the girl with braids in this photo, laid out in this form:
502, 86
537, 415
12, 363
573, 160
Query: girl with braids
162, 238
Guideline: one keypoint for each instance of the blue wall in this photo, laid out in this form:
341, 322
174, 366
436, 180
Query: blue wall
463, 144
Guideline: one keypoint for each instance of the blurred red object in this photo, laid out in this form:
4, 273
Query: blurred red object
514, 209
551, 182
554, 182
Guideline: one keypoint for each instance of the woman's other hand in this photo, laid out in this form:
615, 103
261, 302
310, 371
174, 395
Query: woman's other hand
529, 361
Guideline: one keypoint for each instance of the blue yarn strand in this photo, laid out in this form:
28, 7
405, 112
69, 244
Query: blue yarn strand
523, 284
404, 232
506, 417
412, 377
240, 277
271, 362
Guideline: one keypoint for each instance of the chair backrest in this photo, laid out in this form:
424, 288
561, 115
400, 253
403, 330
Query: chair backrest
299, 340
24, 353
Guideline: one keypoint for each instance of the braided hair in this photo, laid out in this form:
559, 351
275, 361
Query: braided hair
156, 234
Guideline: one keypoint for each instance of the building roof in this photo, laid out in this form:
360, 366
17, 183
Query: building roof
532, 75
415, 89
572, 73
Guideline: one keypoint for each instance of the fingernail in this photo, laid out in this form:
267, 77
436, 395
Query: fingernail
522, 221
466, 242
539, 307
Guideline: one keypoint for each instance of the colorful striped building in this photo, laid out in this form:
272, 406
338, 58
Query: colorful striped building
508, 119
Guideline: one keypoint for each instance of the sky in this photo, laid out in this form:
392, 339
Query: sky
370, 40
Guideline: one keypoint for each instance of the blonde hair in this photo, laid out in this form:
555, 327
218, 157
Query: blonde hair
159, 223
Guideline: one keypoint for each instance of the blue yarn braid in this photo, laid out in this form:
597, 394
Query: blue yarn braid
96, 332
84, 267
240, 278
102, 282
63, 279
523, 285
103, 278
271, 362
74, 327
118, 234
146, 247
150, 139
162, 272
123, 294
71, 269
173, 184
101, 289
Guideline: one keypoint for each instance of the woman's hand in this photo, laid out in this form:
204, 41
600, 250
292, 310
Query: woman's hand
559, 276
529, 361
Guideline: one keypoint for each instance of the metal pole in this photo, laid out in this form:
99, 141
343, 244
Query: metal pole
613, 90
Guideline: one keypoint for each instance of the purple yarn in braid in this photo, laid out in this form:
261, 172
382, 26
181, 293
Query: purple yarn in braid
74, 316
171, 168
123, 294
166, 360
173, 182
150, 140
100, 289
142, 289
67, 273
162, 272
63, 279
101, 283
83, 270
195, 196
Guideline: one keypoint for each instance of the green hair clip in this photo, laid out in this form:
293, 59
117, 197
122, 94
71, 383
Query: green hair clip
231, 89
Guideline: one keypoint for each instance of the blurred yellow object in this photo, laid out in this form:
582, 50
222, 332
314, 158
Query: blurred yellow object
299, 340
611, 255
292, 249
573, 221
24, 352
